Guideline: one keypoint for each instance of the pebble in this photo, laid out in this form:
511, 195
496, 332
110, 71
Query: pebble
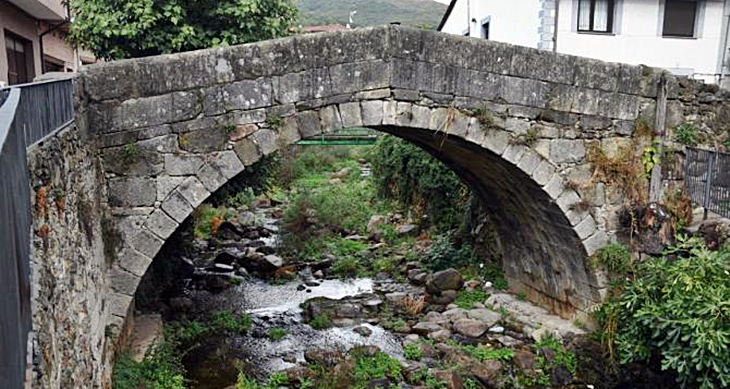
497, 330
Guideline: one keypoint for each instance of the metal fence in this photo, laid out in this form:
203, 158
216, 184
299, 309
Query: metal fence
707, 179
28, 114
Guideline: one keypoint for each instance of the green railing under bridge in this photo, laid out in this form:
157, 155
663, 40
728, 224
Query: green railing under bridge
348, 137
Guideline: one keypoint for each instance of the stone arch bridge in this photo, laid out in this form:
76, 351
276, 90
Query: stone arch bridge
173, 129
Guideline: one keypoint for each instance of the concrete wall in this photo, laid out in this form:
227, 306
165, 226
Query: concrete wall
21, 24
516, 21
638, 38
69, 266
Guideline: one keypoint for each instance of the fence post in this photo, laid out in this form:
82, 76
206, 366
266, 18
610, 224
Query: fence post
708, 183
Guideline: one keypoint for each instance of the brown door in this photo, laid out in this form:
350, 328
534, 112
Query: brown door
20, 59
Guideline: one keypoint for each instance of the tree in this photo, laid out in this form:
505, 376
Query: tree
115, 29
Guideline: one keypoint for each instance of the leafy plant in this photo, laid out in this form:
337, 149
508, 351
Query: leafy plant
561, 356
651, 158
347, 267
275, 121
321, 322
207, 219
379, 366
413, 352
226, 320
686, 134
483, 353
277, 333
115, 29
677, 310
615, 258
466, 299
160, 369
130, 154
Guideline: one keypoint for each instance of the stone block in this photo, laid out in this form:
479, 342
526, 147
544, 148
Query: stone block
529, 162
421, 117
543, 65
242, 95
247, 151
134, 161
289, 132
377, 94
152, 111
133, 261
406, 95
309, 125
596, 74
389, 112
480, 85
211, 177
161, 224
193, 191
119, 304
595, 242
306, 85
182, 164
123, 281
496, 141
249, 117
372, 112
475, 133
351, 115
147, 243
166, 184
543, 173
404, 114
177, 207
132, 192
514, 152
162, 144
267, 140
554, 187
359, 76
330, 119
405, 75
525, 91
567, 150
227, 163
567, 199
204, 141
585, 228
195, 125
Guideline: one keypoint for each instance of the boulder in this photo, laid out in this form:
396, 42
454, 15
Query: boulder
272, 262
375, 224
487, 372
425, 327
246, 218
440, 336
451, 379
229, 231
342, 174
417, 276
446, 297
470, 327
363, 331
324, 357
488, 317
449, 279
408, 229
455, 314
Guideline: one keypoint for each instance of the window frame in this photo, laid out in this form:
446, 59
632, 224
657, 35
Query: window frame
28, 56
695, 22
610, 23
485, 22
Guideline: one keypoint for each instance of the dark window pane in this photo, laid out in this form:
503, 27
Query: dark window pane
20, 59
595, 15
679, 18
485, 30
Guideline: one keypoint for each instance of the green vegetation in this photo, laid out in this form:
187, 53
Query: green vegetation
378, 366
160, 369
466, 299
686, 134
115, 29
347, 267
561, 356
483, 353
676, 309
615, 258
187, 332
419, 182
321, 322
276, 334
275, 381
130, 154
415, 13
413, 352
207, 219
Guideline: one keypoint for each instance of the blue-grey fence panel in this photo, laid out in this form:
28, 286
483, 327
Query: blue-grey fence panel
707, 179
44, 107
15, 224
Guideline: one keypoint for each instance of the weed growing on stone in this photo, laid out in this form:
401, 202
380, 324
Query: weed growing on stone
347, 267
686, 134
321, 322
275, 121
228, 321
207, 219
466, 300
484, 116
483, 353
615, 258
161, 368
277, 333
623, 169
130, 154
413, 352
378, 366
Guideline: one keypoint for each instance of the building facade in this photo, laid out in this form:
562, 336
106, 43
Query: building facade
686, 37
33, 38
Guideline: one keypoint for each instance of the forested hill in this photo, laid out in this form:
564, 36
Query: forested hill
417, 13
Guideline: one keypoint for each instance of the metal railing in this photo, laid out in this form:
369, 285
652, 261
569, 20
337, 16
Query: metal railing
28, 114
707, 179
44, 107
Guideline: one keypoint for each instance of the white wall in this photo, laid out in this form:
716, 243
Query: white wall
513, 21
638, 38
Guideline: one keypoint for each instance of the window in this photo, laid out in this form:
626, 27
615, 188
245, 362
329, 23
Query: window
20, 59
679, 18
485, 29
595, 15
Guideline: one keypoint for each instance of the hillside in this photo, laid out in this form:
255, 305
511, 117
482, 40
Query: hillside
417, 13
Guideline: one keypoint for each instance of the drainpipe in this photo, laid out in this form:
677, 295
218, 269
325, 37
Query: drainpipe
555, 32
725, 48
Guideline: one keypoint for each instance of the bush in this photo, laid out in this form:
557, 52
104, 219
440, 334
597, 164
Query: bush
420, 182
160, 369
413, 352
321, 322
687, 134
207, 219
614, 257
277, 333
678, 311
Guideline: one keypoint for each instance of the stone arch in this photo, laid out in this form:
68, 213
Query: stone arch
172, 129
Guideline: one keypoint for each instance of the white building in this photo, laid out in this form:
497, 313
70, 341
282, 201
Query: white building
687, 37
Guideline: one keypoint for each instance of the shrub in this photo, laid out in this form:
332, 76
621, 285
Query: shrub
321, 322
379, 366
687, 134
614, 257
347, 266
160, 369
413, 352
677, 310
624, 170
277, 333
226, 320
466, 299
404, 172
207, 219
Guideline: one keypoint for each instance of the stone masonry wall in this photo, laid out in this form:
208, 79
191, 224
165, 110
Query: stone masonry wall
174, 128
68, 269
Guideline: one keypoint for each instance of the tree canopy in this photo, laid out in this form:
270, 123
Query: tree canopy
115, 29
